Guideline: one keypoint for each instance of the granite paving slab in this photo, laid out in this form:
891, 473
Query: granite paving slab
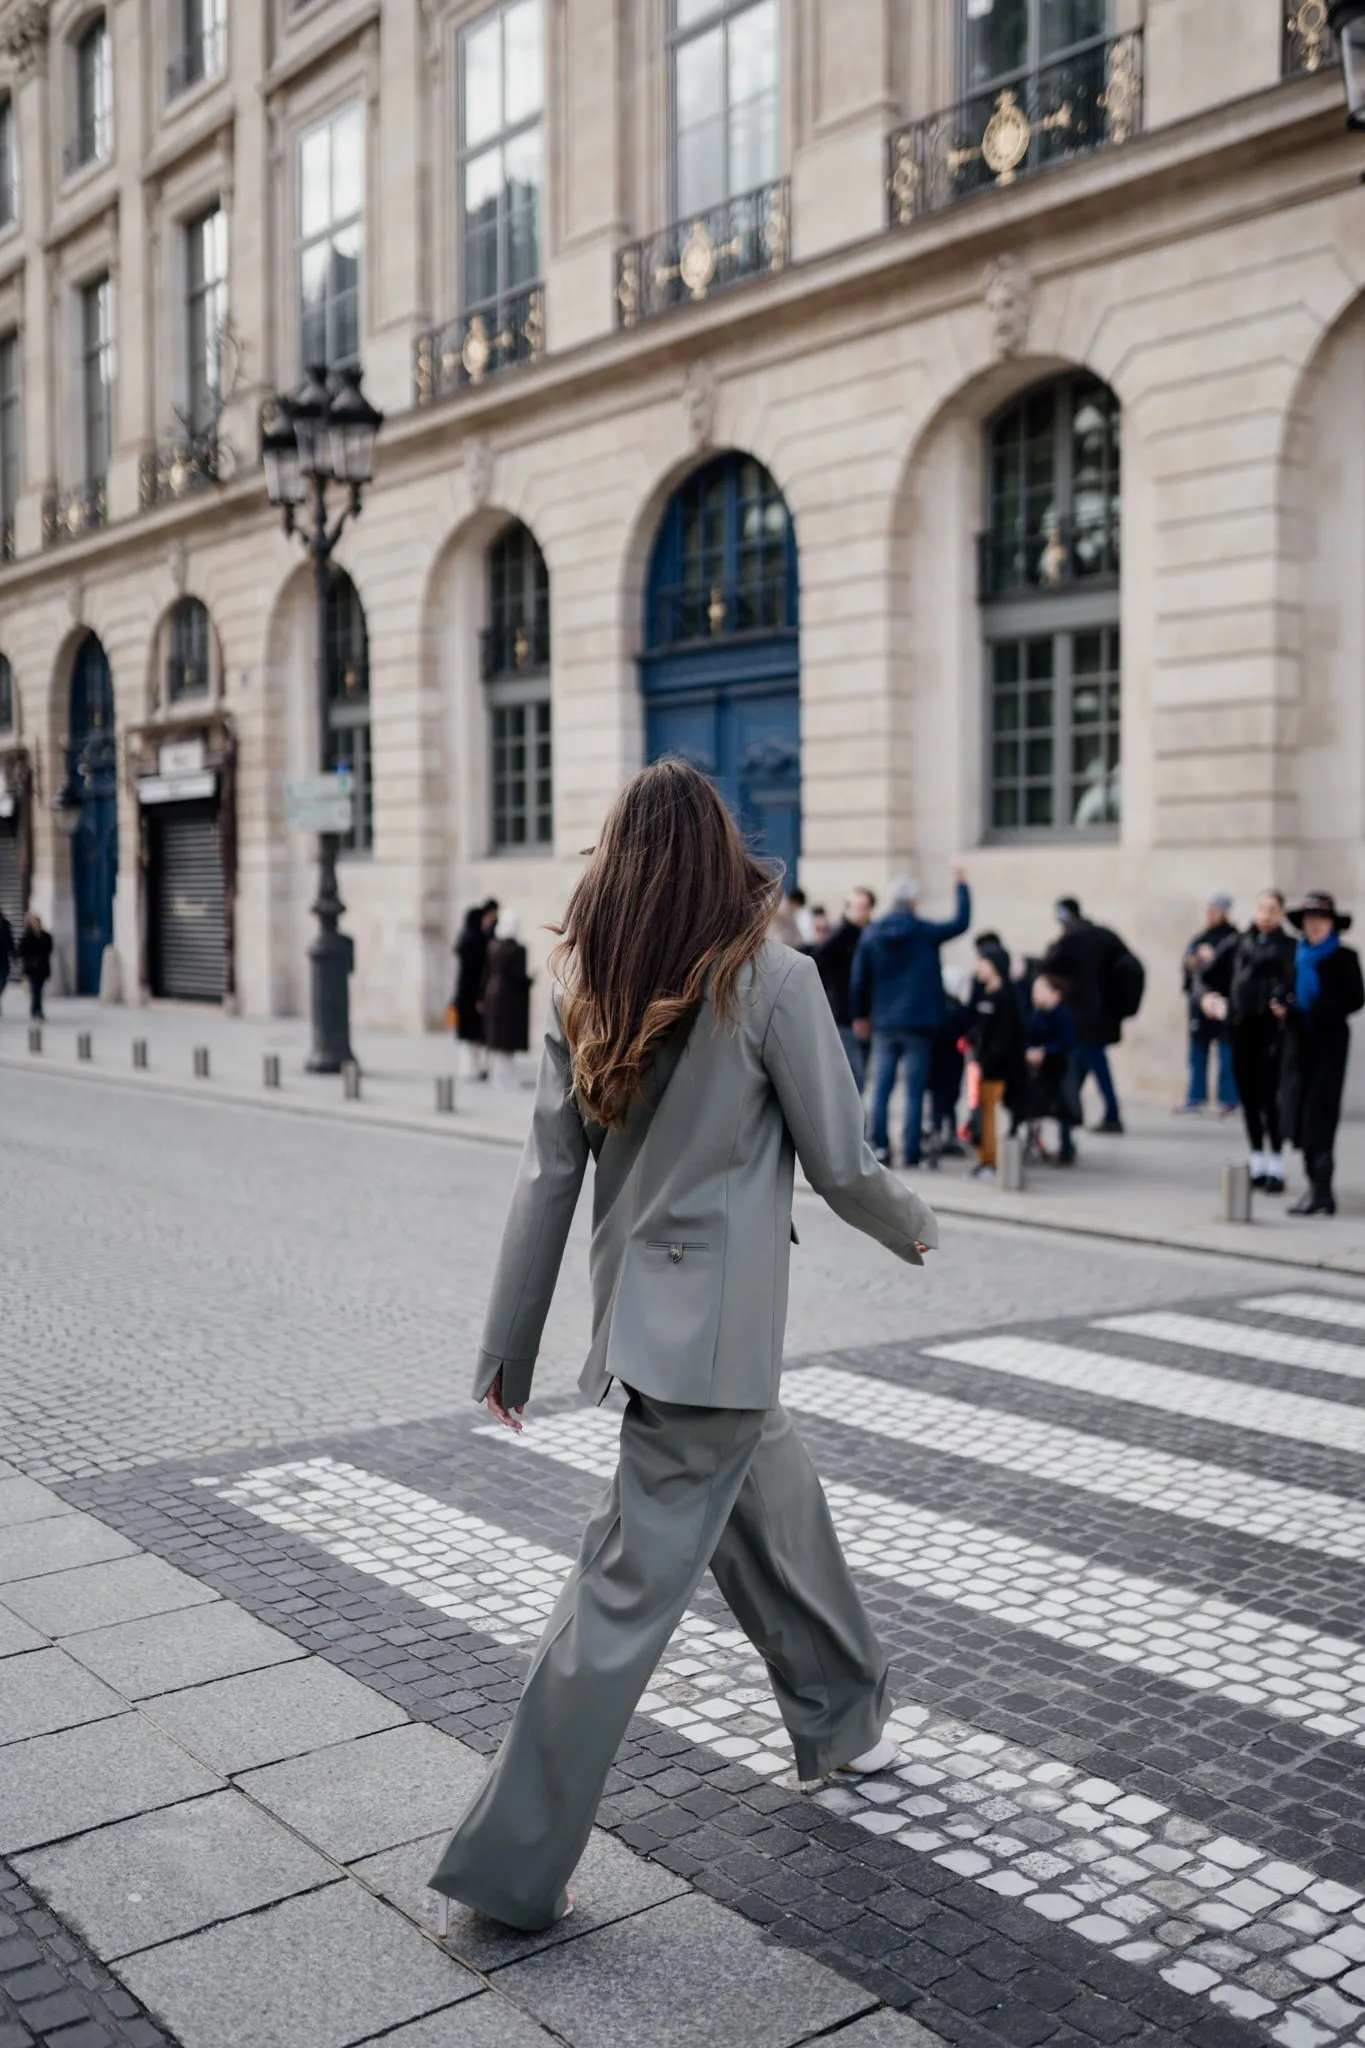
189, 1646
57, 1543
322, 1971
98, 1595
23, 1500
359, 1797
686, 1974
161, 1875
483, 2022
16, 1636
886, 2029
53, 1989
45, 1690
610, 1882
57, 1785
238, 1724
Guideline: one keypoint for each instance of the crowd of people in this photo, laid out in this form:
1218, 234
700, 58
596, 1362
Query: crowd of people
490, 1006
1269, 1005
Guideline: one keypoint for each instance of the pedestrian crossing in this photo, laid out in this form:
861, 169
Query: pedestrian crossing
1256, 1936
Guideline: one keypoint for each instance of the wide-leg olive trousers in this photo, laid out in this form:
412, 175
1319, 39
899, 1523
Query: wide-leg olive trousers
730, 1488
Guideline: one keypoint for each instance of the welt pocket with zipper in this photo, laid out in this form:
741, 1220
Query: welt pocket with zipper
676, 1247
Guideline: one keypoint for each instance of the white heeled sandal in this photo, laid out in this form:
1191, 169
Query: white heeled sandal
881, 1758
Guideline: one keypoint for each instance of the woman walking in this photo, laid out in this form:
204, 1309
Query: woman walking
1262, 975
35, 959
471, 955
1327, 991
694, 1059
505, 1003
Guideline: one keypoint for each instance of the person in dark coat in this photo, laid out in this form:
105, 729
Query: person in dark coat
1327, 991
1206, 969
7, 950
1262, 975
1050, 1057
35, 958
471, 954
897, 1002
996, 1034
1085, 955
834, 964
506, 1000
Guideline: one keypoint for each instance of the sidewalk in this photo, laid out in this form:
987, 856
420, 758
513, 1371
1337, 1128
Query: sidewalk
1159, 1184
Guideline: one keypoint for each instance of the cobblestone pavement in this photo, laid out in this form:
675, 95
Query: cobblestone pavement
1108, 1511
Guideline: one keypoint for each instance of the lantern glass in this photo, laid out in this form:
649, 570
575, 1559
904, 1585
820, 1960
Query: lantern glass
309, 409
354, 423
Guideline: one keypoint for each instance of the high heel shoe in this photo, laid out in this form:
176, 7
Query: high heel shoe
1317, 1202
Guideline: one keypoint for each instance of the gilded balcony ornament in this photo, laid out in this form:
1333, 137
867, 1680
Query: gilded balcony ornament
716, 610
776, 231
699, 260
628, 288
1308, 28
1052, 563
904, 183
1008, 134
521, 647
534, 328
477, 351
1122, 96
425, 370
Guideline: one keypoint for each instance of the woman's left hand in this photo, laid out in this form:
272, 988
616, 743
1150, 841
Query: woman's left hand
509, 1417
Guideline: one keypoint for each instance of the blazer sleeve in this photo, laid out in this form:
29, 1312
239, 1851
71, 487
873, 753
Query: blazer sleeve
813, 1081
537, 1228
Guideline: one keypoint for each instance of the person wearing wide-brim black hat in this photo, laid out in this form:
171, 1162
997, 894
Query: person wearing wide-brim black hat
1327, 991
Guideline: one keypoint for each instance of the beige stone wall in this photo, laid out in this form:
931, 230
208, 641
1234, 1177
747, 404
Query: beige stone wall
1209, 272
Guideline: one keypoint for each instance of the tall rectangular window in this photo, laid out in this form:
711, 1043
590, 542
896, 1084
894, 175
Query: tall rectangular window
10, 467
331, 233
1002, 39
203, 45
205, 314
502, 152
9, 163
726, 101
97, 375
94, 96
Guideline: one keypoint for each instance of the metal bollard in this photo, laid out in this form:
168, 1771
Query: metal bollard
1237, 1194
271, 1071
1012, 1165
350, 1080
139, 1052
35, 1037
201, 1063
445, 1095
85, 1049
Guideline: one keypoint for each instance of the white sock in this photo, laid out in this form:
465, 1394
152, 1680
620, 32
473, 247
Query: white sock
1274, 1165
1258, 1165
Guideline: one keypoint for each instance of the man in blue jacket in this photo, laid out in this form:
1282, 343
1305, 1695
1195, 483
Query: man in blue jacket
897, 1001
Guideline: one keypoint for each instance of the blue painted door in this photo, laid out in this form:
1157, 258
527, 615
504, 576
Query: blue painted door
721, 667
92, 763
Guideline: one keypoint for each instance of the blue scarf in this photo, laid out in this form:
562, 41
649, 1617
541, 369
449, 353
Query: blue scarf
1306, 963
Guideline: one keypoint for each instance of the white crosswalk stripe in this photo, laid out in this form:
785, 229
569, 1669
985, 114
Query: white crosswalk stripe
1209, 1645
1121, 1871
1240, 1340
1311, 1308
1188, 1488
1303, 1418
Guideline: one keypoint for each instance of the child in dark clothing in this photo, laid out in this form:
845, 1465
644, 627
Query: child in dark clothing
1050, 1042
997, 1038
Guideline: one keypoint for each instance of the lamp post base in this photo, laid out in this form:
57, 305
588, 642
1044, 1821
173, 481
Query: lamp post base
330, 960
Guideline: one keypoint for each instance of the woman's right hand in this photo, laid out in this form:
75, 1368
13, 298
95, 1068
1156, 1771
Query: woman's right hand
509, 1417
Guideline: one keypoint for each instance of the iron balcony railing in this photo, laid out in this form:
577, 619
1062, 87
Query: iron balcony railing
89, 145
479, 344
518, 649
1090, 100
178, 468
201, 58
696, 612
1058, 556
748, 236
1308, 43
69, 514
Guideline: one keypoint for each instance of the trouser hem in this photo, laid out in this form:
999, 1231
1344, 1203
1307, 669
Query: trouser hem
861, 1731
506, 1911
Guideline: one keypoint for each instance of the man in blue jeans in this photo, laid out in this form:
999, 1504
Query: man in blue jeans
897, 1001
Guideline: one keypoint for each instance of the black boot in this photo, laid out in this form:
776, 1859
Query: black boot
1318, 1201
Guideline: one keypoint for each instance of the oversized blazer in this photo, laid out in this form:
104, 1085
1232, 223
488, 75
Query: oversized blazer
692, 1199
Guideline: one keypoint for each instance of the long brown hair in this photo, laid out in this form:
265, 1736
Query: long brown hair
670, 893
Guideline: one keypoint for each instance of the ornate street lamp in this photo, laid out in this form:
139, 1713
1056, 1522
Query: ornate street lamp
1347, 21
324, 433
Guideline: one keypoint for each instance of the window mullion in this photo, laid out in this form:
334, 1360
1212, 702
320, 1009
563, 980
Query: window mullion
1063, 647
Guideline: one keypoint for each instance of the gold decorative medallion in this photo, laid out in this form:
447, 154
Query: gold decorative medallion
477, 351
1005, 142
426, 371
1309, 25
1122, 96
775, 236
904, 181
715, 611
697, 263
1052, 562
534, 330
628, 288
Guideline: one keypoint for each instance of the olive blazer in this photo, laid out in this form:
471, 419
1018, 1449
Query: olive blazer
692, 1199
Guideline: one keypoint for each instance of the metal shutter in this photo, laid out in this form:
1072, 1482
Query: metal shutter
11, 881
188, 935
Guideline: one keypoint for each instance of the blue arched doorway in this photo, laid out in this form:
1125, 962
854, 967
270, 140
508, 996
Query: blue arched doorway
92, 771
721, 670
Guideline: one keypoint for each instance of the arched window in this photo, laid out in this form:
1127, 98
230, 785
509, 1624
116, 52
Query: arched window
725, 559
1049, 586
188, 652
6, 695
348, 704
516, 674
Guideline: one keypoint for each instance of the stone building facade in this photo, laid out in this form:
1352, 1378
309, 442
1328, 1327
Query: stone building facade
943, 419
